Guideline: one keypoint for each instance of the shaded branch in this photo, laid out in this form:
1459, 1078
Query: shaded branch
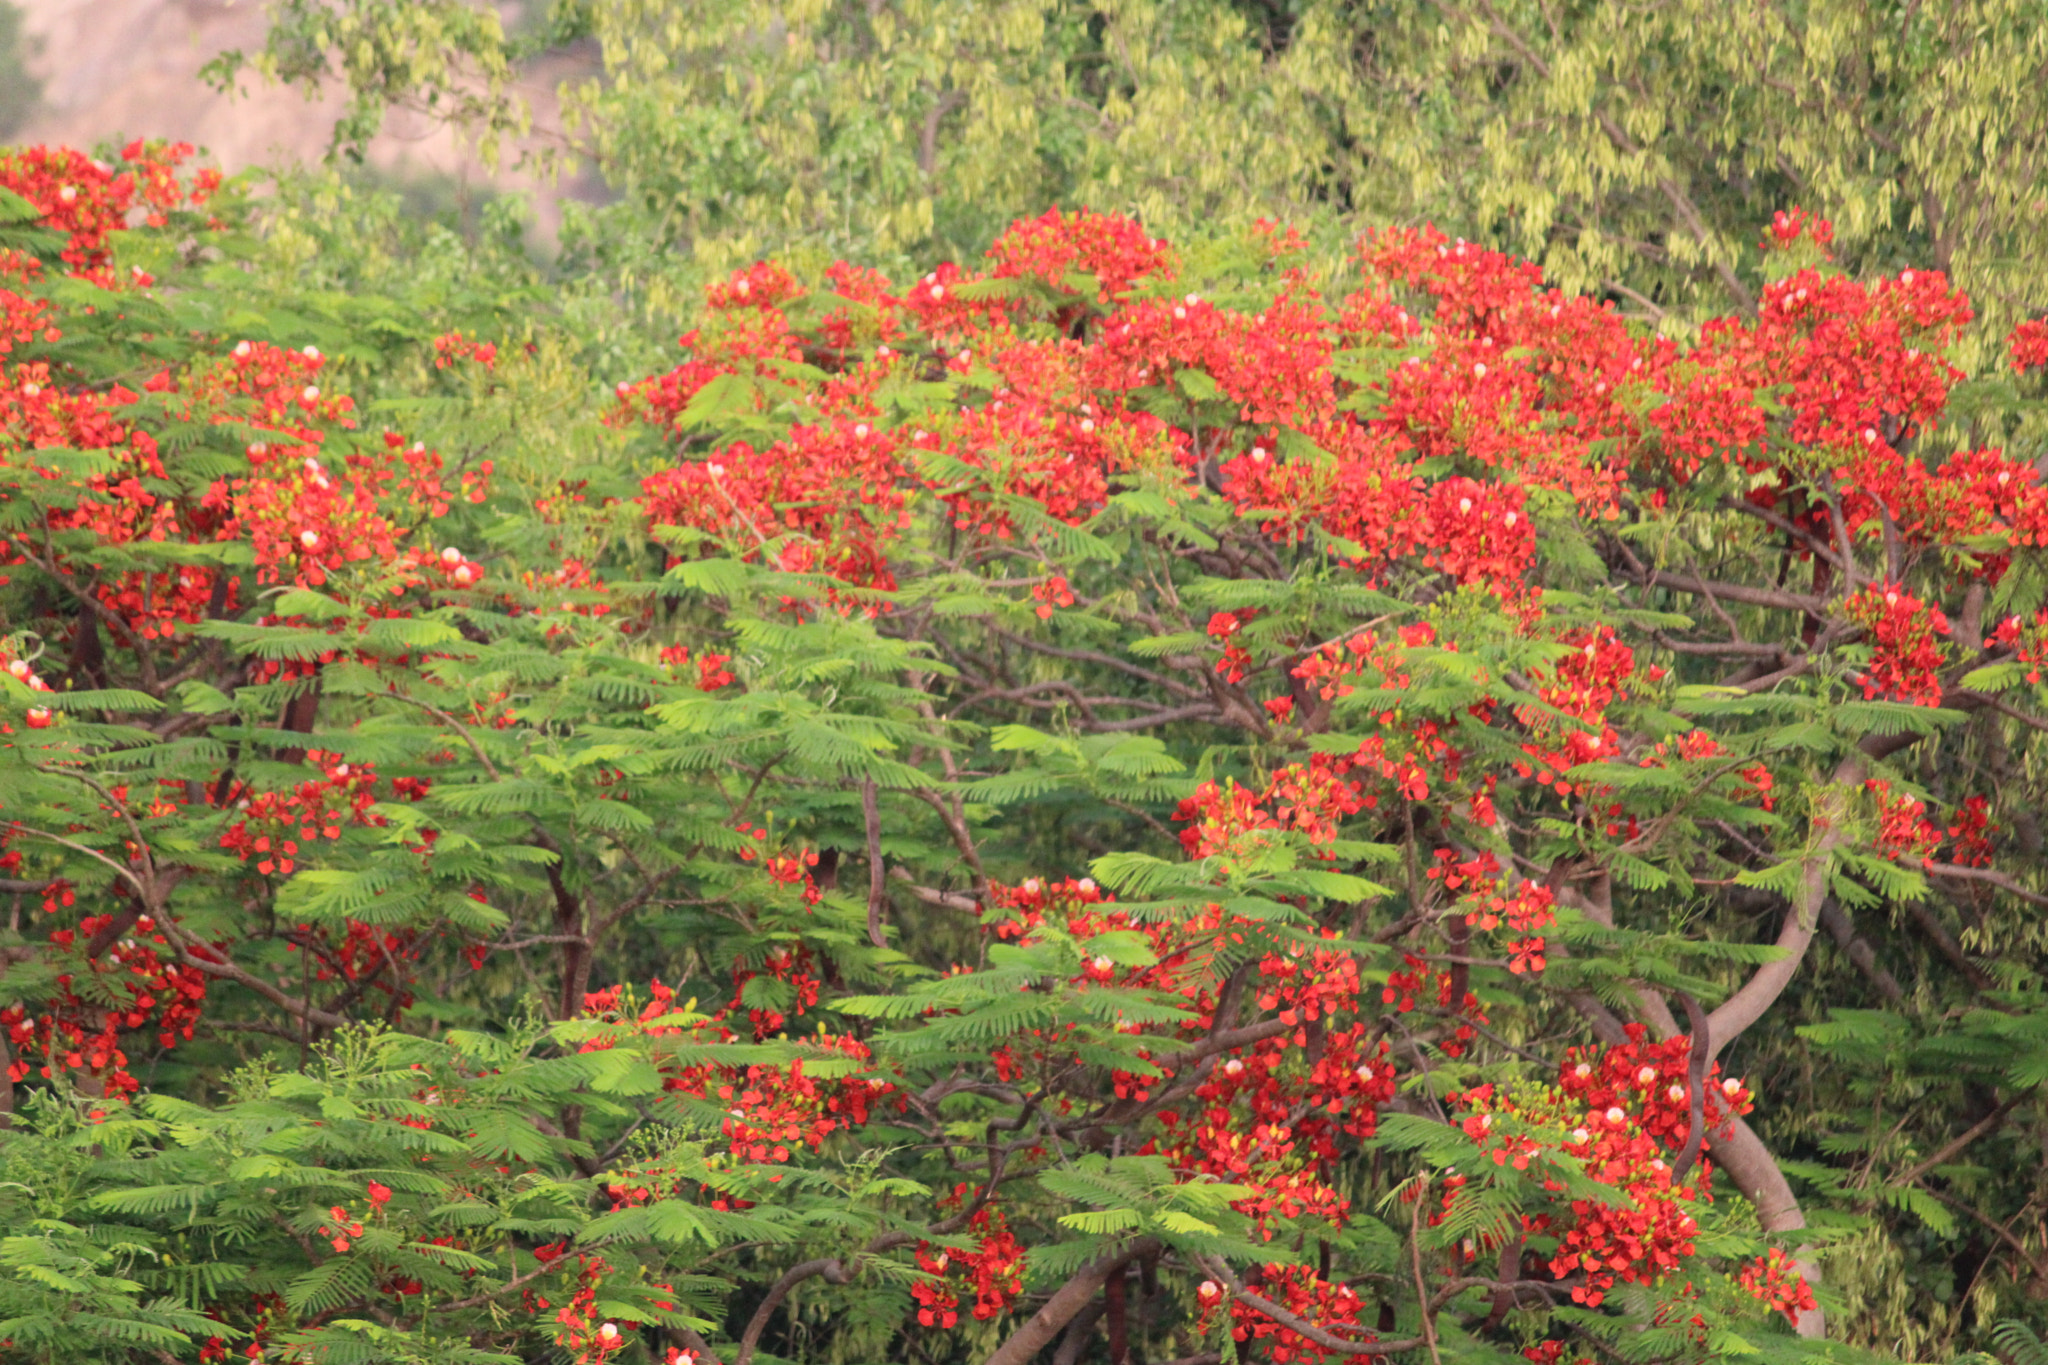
1301, 1325
1041, 1327
828, 1266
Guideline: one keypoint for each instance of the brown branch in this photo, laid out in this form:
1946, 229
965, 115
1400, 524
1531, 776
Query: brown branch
1158, 680
1945, 944
1734, 592
878, 891
944, 900
1695, 1085
1223, 1042
1300, 1325
956, 825
1070, 1298
830, 1267
927, 164
570, 930
1422, 1304
1201, 711
478, 1300
1990, 1123
1075, 1342
1742, 1154
229, 971
1113, 1309
1802, 914
461, 730
1985, 874
127, 874
1858, 950
2005, 1234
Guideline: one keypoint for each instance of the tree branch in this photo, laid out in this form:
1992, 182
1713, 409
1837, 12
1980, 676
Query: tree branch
828, 1266
1990, 1123
1041, 1327
878, 890
1802, 914
1302, 1325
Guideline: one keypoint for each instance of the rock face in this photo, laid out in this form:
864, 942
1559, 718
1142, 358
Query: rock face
117, 69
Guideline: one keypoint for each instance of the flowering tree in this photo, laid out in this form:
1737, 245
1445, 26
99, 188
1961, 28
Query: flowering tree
1116, 803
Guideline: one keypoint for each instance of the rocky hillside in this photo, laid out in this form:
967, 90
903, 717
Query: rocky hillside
129, 68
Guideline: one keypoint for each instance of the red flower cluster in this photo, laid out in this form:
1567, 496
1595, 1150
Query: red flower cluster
130, 982
790, 965
341, 1229
2028, 345
992, 1271
1774, 1280
1621, 1113
1903, 830
1788, 226
86, 199
454, 346
767, 1108
273, 824
1332, 1307
1905, 661
590, 1339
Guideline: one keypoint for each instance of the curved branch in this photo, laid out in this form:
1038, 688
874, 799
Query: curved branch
878, 889
1695, 1085
944, 900
127, 874
1078, 1332
1156, 679
1984, 874
1041, 1327
1802, 915
1302, 1326
229, 971
830, 1267
1742, 1154
1859, 952
1989, 1123
1203, 711
1735, 592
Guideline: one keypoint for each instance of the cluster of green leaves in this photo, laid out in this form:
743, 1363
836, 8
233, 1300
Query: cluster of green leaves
1628, 148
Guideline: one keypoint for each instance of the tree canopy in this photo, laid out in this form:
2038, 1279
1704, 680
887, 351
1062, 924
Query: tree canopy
1124, 782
